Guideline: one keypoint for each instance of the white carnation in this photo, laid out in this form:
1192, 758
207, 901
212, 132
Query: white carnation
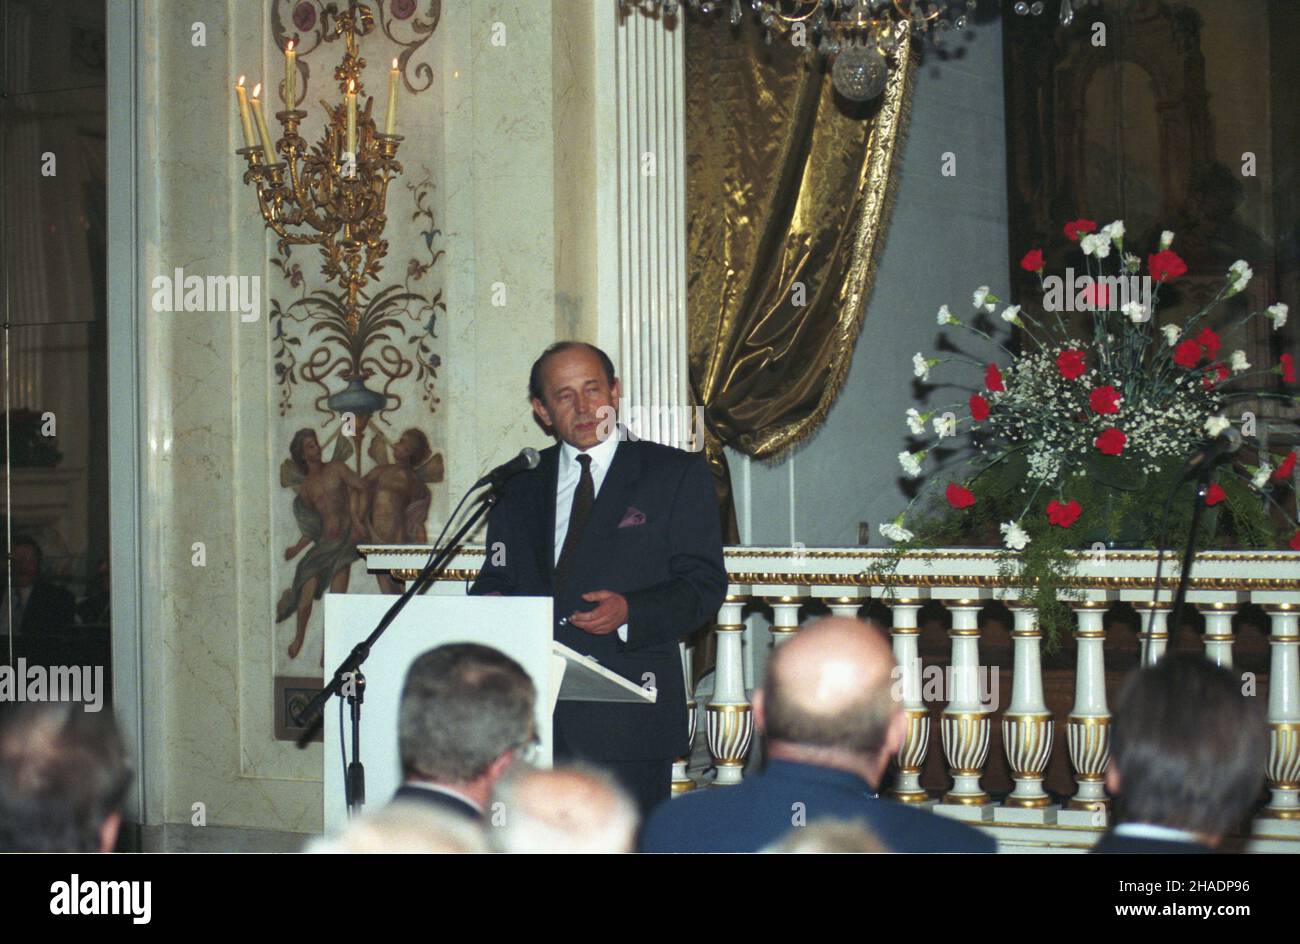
1172, 333
1136, 311
896, 532
1115, 231
1166, 239
1277, 314
916, 423
1096, 244
978, 296
1239, 362
1014, 536
1012, 314
946, 317
920, 366
1215, 425
1261, 477
945, 425
911, 463
1241, 273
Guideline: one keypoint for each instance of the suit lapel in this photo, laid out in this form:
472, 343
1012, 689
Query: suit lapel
545, 542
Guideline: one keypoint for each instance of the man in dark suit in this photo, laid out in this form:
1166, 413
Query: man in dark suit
831, 725
466, 712
38, 604
625, 536
1187, 758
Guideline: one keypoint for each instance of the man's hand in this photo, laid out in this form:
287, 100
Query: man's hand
609, 615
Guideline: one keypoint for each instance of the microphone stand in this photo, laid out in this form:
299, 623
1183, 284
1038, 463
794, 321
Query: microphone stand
1189, 552
348, 679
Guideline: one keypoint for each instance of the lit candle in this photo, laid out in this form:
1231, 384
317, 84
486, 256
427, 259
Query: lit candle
261, 124
249, 140
290, 70
352, 119
390, 121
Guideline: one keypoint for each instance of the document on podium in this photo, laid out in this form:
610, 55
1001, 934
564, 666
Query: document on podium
576, 677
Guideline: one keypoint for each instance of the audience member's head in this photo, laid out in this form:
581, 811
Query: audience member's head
827, 700
405, 828
565, 810
63, 778
466, 710
1187, 748
828, 836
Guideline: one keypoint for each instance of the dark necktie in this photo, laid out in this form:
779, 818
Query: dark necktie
584, 496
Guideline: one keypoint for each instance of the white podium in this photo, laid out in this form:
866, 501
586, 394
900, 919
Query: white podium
518, 626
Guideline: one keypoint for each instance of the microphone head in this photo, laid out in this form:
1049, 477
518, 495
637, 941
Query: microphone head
1232, 439
532, 459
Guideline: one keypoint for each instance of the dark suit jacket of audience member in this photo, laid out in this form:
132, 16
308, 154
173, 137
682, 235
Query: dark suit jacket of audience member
435, 799
1143, 845
48, 607
761, 810
653, 536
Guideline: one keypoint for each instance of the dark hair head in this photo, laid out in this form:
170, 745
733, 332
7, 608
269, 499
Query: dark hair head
296, 446
63, 772
26, 540
1189, 747
463, 706
535, 375
422, 449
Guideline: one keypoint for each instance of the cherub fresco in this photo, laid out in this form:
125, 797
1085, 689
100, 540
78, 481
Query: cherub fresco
395, 498
326, 507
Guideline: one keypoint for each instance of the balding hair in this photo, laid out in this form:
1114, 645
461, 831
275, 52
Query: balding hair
570, 809
831, 687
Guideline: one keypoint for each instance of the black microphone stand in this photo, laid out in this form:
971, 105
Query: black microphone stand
1189, 552
348, 679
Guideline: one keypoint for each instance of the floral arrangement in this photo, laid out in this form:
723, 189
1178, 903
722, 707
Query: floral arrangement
1139, 396
1072, 436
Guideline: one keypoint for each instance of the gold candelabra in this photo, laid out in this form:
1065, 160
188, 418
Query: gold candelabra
333, 195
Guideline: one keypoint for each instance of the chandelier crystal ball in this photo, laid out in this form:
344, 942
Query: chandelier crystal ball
859, 73
857, 37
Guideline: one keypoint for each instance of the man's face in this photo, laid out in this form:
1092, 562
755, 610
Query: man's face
577, 399
403, 449
24, 565
311, 449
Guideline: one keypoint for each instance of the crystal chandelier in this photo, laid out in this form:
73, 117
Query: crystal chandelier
858, 37
1065, 13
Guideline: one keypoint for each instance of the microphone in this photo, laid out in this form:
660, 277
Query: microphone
1211, 454
527, 459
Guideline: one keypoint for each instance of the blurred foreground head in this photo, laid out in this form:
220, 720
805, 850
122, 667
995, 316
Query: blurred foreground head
565, 810
63, 778
407, 828
828, 699
1187, 747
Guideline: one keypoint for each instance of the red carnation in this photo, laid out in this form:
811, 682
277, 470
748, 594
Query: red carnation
1076, 228
1286, 468
1033, 261
993, 378
1295, 541
1209, 342
1215, 373
1111, 441
958, 496
1213, 495
1288, 368
1063, 515
1187, 354
1104, 400
1071, 364
1165, 265
979, 408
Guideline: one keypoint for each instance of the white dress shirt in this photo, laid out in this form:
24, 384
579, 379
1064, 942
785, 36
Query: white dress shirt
602, 456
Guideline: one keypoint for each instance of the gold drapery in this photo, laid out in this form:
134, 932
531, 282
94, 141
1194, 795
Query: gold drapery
787, 196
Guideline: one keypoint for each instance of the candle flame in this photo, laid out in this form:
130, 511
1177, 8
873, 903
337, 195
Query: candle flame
257, 89
394, 63
240, 83
351, 85
291, 45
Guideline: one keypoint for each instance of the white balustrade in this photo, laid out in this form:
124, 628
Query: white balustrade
916, 741
1283, 769
1088, 727
965, 721
1027, 724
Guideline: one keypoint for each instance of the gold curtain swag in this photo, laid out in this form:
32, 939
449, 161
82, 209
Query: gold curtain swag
787, 193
